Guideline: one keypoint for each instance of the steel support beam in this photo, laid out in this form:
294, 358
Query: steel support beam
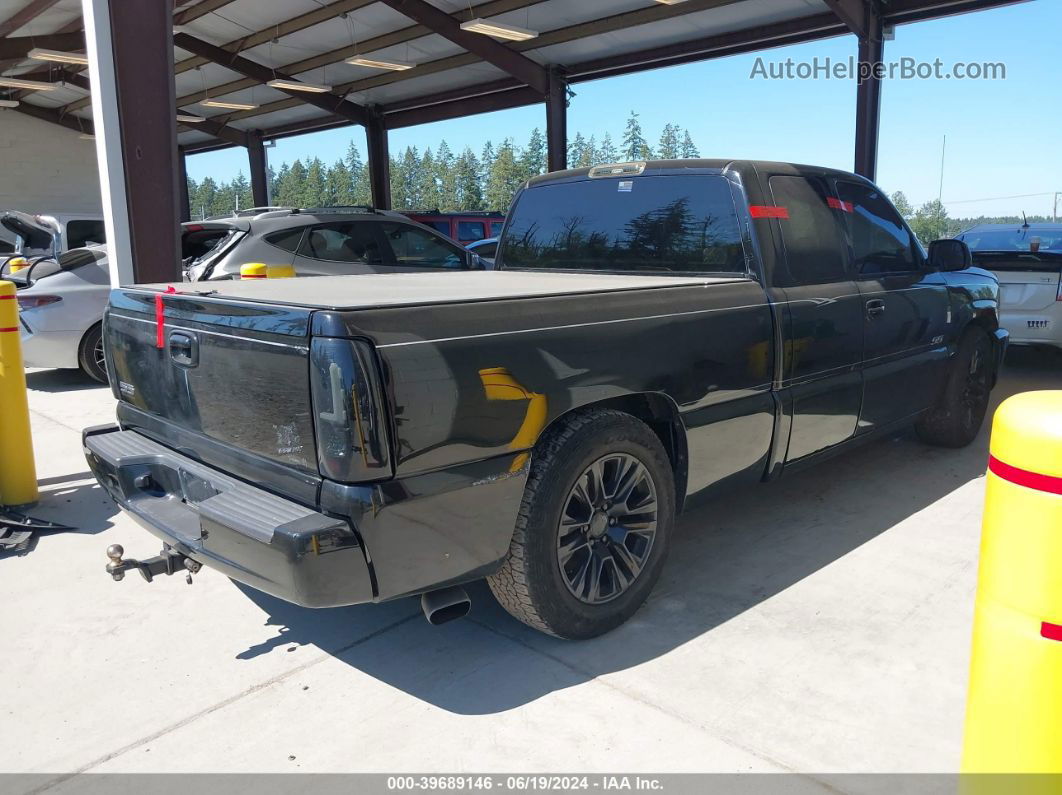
519, 66
130, 54
26, 14
183, 204
868, 100
557, 122
263, 74
19, 46
857, 15
256, 157
379, 158
74, 123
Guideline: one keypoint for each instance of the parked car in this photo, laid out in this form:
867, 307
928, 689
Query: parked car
709, 323
318, 242
50, 235
1027, 260
465, 227
487, 249
61, 303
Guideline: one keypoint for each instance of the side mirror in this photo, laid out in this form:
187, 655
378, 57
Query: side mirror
950, 255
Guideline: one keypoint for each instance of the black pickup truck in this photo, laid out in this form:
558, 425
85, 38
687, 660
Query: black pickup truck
655, 332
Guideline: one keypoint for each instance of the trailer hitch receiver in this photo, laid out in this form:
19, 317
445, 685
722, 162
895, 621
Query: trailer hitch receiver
168, 561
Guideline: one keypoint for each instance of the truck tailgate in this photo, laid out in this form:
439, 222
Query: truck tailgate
216, 371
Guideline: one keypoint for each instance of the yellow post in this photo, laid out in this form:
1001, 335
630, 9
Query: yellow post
259, 270
16, 264
18, 475
280, 271
1014, 707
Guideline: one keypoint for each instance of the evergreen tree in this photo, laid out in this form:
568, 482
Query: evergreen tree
486, 163
291, 187
635, 147
931, 221
467, 187
606, 153
533, 158
688, 148
280, 180
668, 148
445, 178
428, 190
340, 185
205, 197
504, 179
315, 189
241, 192
361, 192
411, 184
576, 150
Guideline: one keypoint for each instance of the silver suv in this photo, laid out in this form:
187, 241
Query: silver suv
325, 241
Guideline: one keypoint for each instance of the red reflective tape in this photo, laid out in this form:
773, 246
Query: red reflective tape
254, 276
838, 204
1023, 477
160, 321
766, 211
13, 328
7, 298
1050, 631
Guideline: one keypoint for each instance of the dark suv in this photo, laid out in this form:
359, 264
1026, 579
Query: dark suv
318, 242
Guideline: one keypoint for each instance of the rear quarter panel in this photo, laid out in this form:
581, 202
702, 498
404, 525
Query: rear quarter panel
467, 382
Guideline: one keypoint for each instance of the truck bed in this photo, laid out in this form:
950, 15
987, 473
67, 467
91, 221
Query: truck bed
382, 290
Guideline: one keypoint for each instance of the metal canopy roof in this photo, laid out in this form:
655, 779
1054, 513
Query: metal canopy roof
310, 40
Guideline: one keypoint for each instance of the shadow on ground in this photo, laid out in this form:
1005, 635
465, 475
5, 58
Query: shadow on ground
726, 558
74, 500
60, 381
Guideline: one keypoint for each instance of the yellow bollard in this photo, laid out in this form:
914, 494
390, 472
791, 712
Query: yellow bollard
259, 270
16, 264
18, 475
1014, 706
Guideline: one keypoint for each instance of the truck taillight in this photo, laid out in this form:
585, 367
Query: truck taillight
353, 440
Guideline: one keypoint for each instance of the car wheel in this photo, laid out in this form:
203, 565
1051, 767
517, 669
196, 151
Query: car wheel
956, 419
594, 526
90, 354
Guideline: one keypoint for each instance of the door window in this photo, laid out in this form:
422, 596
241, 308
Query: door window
83, 233
880, 240
467, 231
287, 240
496, 227
810, 233
348, 241
417, 247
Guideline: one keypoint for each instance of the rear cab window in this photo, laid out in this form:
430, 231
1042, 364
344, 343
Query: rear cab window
814, 248
470, 231
648, 223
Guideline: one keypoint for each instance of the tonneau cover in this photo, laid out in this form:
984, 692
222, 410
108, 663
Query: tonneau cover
370, 291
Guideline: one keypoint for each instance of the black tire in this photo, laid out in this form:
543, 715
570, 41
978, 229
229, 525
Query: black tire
533, 584
90, 354
956, 419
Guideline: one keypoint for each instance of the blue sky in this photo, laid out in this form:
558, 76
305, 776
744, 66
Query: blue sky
1002, 136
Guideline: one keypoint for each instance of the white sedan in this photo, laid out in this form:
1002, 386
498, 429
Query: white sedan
61, 307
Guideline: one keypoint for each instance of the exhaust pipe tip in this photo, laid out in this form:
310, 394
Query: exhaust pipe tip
445, 604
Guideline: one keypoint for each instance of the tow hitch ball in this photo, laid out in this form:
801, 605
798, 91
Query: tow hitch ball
169, 561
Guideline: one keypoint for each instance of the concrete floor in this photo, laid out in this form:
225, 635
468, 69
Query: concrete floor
819, 624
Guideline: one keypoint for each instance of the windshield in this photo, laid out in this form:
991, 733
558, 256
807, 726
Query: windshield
1019, 239
682, 224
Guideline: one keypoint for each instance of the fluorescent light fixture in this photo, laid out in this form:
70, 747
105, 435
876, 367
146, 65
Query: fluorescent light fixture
87, 137
298, 85
32, 85
498, 30
56, 56
394, 66
8, 103
188, 118
217, 103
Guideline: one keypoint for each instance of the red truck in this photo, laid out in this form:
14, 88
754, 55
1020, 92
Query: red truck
464, 227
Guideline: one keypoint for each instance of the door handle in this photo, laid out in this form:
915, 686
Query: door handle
184, 349
875, 307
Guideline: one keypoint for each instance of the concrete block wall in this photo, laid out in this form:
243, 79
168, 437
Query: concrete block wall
45, 168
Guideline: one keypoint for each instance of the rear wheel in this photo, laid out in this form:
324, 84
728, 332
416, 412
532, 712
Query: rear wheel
960, 411
90, 354
594, 527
